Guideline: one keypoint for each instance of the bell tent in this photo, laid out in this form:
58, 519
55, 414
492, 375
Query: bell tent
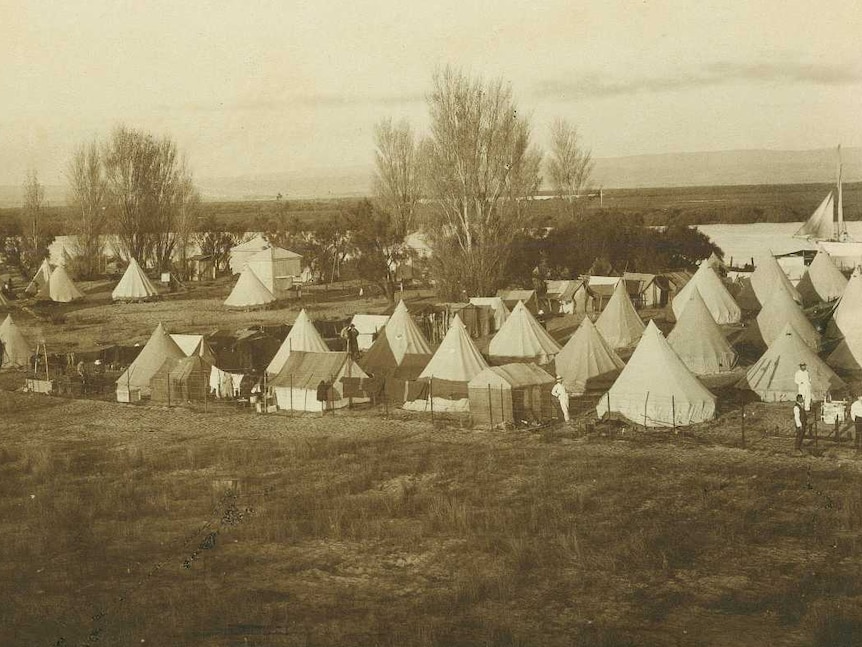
766, 279
522, 339
16, 351
718, 301
158, 348
442, 385
772, 376
134, 285
61, 288
619, 323
846, 316
822, 281
302, 336
698, 340
249, 292
587, 361
780, 309
655, 389
38, 286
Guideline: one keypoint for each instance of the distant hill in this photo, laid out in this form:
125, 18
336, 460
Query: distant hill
723, 168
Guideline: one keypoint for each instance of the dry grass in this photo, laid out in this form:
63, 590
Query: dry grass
365, 531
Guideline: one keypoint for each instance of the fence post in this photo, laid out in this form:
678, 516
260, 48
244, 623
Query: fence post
490, 409
646, 400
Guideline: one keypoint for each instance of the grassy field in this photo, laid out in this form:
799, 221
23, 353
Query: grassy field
143, 525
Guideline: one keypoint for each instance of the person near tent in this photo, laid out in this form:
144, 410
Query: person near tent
856, 417
542, 319
352, 335
323, 395
803, 384
800, 421
559, 391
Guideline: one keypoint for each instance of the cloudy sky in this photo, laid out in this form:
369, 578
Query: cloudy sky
256, 87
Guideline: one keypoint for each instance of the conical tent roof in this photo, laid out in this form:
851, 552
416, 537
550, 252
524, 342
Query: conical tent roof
3, 300
134, 284
39, 284
847, 316
656, 389
303, 336
523, 337
698, 340
619, 322
847, 355
249, 291
781, 309
587, 360
403, 336
457, 359
719, 302
61, 288
159, 348
772, 376
766, 278
822, 281
16, 350
713, 261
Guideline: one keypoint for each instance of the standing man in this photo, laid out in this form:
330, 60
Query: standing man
856, 417
803, 384
352, 341
800, 421
559, 392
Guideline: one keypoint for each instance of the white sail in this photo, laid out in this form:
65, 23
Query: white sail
820, 225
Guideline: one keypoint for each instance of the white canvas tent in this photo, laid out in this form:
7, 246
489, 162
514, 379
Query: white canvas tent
772, 376
276, 267
501, 312
61, 288
768, 277
718, 300
239, 254
38, 286
295, 386
16, 350
368, 326
134, 285
195, 345
302, 336
781, 309
587, 360
698, 340
523, 338
249, 292
847, 315
655, 389
619, 323
822, 281
444, 380
158, 348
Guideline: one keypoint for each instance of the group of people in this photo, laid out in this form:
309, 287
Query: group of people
802, 408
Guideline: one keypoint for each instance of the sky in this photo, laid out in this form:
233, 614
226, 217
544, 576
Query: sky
259, 87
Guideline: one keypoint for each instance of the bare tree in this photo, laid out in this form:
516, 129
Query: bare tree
88, 197
396, 181
143, 175
570, 165
478, 167
186, 214
35, 244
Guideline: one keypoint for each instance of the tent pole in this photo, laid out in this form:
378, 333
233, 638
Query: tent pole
673, 412
45, 352
646, 400
490, 409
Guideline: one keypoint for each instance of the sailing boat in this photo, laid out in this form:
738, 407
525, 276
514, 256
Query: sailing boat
826, 228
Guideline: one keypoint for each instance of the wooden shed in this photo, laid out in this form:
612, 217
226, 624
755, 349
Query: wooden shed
511, 394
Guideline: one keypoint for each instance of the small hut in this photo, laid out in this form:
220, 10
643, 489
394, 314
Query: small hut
510, 394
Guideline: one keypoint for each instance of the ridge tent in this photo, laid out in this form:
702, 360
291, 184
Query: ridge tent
511, 393
295, 386
134, 285
522, 338
38, 285
249, 291
698, 341
512, 297
61, 288
442, 385
16, 350
619, 323
772, 376
302, 336
822, 281
276, 267
498, 307
587, 361
716, 297
239, 254
781, 309
655, 389
181, 380
158, 348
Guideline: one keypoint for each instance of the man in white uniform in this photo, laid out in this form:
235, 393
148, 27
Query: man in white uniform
803, 385
559, 392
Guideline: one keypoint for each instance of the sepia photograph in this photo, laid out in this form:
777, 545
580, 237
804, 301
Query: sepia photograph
431, 324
